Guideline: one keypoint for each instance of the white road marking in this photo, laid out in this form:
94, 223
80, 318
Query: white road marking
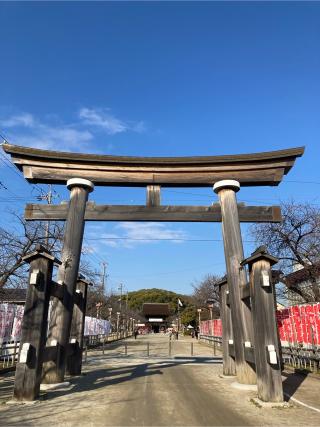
301, 403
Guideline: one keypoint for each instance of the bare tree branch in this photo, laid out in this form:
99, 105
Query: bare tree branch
296, 240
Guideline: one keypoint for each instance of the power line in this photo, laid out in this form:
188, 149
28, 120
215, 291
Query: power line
172, 272
95, 253
7, 163
301, 182
171, 239
240, 199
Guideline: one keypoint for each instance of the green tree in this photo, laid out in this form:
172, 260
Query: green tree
189, 316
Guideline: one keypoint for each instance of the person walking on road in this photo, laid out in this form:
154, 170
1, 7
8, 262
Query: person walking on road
135, 333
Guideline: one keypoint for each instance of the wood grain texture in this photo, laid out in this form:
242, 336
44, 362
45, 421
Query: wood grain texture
74, 361
34, 329
152, 213
240, 312
229, 367
153, 195
62, 310
245, 291
265, 168
269, 380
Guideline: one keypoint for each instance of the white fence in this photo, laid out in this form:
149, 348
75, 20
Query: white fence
11, 316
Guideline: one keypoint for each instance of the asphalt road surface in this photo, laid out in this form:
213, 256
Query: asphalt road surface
136, 390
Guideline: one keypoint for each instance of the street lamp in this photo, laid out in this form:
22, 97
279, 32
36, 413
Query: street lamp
118, 318
199, 322
210, 307
98, 306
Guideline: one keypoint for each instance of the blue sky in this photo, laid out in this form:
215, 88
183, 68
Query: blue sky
168, 79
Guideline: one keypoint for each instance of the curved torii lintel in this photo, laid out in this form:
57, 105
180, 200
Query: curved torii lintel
254, 169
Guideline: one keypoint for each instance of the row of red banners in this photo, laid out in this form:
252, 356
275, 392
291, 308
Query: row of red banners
211, 327
298, 325
11, 320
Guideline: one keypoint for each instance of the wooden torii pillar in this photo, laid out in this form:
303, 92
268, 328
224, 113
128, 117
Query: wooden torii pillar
229, 368
74, 362
61, 314
233, 250
267, 350
34, 325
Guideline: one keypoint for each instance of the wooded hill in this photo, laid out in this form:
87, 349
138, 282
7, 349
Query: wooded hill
136, 299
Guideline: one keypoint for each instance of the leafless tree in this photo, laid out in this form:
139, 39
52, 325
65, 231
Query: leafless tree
20, 239
205, 290
295, 241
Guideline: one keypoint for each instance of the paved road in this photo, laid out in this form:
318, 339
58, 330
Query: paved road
157, 391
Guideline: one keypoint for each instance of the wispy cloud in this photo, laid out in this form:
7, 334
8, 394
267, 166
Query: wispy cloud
24, 128
18, 120
130, 234
103, 119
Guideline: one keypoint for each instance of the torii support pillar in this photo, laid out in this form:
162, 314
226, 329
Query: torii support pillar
34, 325
266, 340
229, 367
233, 250
74, 363
62, 310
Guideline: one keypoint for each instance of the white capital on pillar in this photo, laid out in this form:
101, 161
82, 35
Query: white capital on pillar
226, 183
80, 182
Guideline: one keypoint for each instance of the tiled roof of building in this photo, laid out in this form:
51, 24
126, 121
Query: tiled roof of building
303, 275
158, 309
13, 295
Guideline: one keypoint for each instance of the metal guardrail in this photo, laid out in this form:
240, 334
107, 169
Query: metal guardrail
302, 358
96, 340
297, 357
215, 341
9, 352
168, 348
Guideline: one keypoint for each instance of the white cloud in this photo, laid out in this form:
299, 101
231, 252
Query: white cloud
25, 129
150, 230
130, 234
19, 120
109, 123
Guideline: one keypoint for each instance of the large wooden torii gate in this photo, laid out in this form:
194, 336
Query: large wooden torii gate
82, 171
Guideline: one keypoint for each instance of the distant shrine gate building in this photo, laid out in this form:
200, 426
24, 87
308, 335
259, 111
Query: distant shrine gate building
250, 338
156, 316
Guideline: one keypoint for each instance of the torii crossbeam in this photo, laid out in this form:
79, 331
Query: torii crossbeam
43, 166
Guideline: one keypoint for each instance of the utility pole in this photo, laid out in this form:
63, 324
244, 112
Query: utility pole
103, 276
199, 315
127, 296
98, 306
120, 287
48, 197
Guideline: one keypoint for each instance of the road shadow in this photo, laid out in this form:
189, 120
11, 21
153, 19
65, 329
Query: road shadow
292, 383
104, 377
